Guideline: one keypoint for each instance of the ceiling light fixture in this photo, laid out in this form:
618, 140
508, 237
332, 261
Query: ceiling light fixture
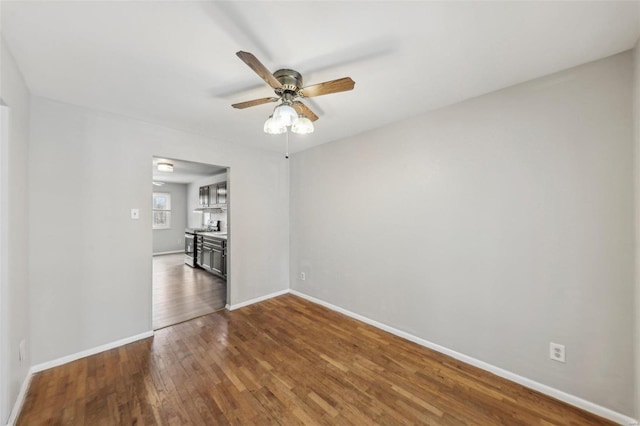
285, 115
165, 167
288, 86
272, 127
303, 126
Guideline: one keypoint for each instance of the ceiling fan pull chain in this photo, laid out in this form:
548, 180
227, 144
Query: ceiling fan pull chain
286, 153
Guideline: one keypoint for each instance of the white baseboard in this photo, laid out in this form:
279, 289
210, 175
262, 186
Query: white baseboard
257, 299
56, 362
65, 359
547, 390
13, 416
168, 252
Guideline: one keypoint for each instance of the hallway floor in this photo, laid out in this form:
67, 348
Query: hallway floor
181, 293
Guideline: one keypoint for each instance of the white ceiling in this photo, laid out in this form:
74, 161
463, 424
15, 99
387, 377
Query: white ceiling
174, 63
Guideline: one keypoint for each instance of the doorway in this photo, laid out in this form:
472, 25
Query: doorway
190, 226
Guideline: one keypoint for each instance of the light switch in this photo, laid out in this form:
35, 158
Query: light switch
135, 213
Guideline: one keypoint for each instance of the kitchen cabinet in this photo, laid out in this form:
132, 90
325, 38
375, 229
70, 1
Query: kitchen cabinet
213, 195
199, 250
217, 261
203, 198
206, 258
214, 255
221, 193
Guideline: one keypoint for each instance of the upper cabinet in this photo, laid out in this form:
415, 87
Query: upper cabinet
213, 195
203, 198
221, 192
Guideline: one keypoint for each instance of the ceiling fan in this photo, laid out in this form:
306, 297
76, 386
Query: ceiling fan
287, 85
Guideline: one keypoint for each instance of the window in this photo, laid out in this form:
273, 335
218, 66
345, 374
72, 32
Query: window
161, 210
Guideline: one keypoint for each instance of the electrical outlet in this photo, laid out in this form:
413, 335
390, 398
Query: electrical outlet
556, 352
303, 276
135, 213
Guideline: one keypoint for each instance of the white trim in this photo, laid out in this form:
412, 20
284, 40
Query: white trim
65, 359
167, 252
17, 407
5, 359
167, 210
547, 390
257, 299
57, 362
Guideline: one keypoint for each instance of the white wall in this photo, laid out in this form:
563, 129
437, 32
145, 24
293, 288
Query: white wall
172, 239
13, 230
195, 218
91, 264
636, 120
490, 227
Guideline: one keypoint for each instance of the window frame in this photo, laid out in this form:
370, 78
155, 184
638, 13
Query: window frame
166, 210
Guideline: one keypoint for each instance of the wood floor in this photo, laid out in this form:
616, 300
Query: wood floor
181, 292
283, 361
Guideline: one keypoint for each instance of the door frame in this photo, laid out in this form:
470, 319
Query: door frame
228, 244
5, 360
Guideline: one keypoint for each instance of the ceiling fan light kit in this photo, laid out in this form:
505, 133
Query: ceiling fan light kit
303, 126
287, 85
274, 127
285, 115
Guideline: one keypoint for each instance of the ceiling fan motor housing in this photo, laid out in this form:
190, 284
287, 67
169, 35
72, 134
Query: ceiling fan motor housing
291, 81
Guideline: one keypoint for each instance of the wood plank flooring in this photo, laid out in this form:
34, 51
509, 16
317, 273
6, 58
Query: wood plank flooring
181, 292
284, 361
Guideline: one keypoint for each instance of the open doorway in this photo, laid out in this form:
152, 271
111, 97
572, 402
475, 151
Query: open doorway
190, 237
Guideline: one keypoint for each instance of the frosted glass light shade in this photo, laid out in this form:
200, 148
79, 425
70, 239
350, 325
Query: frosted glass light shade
303, 126
272, 127
285, 115
165, 167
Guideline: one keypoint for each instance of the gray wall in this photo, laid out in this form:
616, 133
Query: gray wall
490, 227
95, 287
14, 278
172, 239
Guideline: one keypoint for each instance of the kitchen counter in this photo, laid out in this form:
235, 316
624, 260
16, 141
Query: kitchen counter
221, 235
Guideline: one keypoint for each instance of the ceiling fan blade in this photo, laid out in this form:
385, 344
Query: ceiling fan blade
259, 69
247, 104
333, 86
302, 109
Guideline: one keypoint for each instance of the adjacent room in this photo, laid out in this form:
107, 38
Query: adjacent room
349, 212
190, 238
